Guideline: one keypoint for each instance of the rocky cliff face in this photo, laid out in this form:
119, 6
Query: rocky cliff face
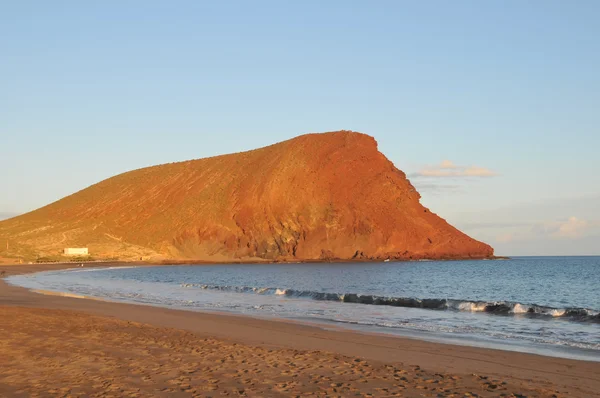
317, 196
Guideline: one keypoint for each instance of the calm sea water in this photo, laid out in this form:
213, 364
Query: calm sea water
545, 305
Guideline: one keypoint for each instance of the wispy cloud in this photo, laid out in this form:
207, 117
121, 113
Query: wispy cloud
447, 168
448, 164
493, 225
553, 226
437, 188
505, 238
570, 228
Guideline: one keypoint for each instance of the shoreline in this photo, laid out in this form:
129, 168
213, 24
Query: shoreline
252, 261
569, 353
578, 377
564, 352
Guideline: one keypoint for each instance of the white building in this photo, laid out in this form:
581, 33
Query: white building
76, 251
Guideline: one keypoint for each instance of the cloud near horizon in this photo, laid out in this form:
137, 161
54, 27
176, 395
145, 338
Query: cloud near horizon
447, 168
553, 226
572, 228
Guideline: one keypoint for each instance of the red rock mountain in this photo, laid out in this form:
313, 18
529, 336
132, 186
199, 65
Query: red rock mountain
317, 196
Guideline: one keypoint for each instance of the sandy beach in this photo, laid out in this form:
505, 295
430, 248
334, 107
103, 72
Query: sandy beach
63, 346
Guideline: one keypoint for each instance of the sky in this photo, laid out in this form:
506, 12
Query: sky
491, 108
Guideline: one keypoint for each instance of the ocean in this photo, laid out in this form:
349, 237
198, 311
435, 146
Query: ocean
543, 305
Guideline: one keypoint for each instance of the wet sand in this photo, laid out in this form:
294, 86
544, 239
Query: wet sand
61, 346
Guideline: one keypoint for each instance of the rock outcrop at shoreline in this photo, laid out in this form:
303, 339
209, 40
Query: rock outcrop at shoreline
329, 196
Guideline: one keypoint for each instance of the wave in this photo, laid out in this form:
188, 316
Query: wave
490, 307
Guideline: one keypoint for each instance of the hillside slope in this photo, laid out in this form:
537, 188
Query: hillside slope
317, 196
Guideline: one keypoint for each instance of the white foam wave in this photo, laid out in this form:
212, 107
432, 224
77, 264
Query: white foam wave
557, 312
472, 307
492, 307
520, 309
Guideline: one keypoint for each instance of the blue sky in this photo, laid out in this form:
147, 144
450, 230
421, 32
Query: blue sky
491, 108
